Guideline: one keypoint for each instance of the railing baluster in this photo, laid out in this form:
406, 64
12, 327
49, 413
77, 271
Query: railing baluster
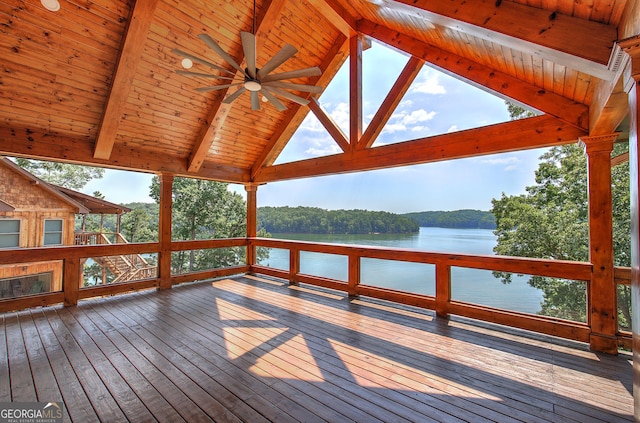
294, 265
443, 289
354, 274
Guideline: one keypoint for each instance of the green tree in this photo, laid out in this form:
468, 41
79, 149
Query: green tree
204, 210
551, 221
62, 174
137, 226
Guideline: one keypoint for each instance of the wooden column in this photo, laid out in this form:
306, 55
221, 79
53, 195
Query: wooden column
443, 289
252, 221
603, 305
355, 89
71, 281
632, 87
164, 235
354, 275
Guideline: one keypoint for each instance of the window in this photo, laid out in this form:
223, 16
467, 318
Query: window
9, 233
52, 232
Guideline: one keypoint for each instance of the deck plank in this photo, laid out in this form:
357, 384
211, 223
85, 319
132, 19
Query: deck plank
47, 389
5, 382
256, 349
22, 386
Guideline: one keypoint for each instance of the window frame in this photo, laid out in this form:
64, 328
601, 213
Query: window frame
45, 232
12, 219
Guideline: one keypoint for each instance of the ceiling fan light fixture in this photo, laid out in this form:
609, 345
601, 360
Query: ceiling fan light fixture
51, 5
187, 63
252, 85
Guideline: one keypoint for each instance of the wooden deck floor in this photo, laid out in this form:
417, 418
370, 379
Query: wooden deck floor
253, 349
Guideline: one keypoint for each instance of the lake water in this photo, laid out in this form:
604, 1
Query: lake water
470, 285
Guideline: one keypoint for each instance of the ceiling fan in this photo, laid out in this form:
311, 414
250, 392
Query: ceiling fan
253, 79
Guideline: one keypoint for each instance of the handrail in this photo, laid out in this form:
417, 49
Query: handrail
441, 302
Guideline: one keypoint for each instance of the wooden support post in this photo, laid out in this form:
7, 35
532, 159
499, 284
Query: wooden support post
252, 221
355, 89
443, 289
164, 236
603, 304
71, 281
632, 86
354, 275
294, 265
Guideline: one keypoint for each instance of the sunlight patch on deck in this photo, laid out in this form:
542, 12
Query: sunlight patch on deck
278, 362
230, 311
318, 292
392, 374
239, 342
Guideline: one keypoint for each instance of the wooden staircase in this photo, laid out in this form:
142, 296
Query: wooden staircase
125, 267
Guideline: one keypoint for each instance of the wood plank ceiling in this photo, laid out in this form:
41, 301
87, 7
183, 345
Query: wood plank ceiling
96, 82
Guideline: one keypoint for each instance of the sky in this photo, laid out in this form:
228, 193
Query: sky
436, 103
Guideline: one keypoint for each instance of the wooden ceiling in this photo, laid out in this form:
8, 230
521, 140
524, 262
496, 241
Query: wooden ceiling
96, 82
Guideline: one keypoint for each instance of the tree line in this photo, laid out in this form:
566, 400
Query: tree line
313, 220
463, 219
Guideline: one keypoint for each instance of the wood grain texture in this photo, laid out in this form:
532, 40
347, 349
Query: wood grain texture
257, 349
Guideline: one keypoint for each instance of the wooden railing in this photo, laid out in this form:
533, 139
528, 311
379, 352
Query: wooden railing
441, 302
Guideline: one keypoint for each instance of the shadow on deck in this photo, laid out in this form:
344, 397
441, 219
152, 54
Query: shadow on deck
256, 349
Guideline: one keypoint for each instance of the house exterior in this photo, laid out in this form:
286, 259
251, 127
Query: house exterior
33, 214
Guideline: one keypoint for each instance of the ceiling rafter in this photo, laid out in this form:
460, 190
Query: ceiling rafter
329, 124
391, 101
566, 40
269, 12
355, 90
484, 77
337, 15
296, 114
47, 146
535, 132
140, 19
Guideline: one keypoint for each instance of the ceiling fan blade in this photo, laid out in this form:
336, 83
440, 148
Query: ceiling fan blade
273, 100
249, 47
287, 95
203, 75
235, 95
298, 87
255, 101
282, 56
300, 73
201, 61
217, 87
215, 47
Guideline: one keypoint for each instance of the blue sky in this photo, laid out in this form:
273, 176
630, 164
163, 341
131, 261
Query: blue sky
435, 104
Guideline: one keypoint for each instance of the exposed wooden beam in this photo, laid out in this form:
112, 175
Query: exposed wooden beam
609, 105
328, 123
569, 41
535, 132
337, 15
391, 101
355, 90
296, 114
484, 77
126, 67
42, 145
214, 122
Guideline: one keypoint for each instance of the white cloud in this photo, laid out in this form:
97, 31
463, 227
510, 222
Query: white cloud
417, 116
452, 128
509, 163
321, 146
429, 84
